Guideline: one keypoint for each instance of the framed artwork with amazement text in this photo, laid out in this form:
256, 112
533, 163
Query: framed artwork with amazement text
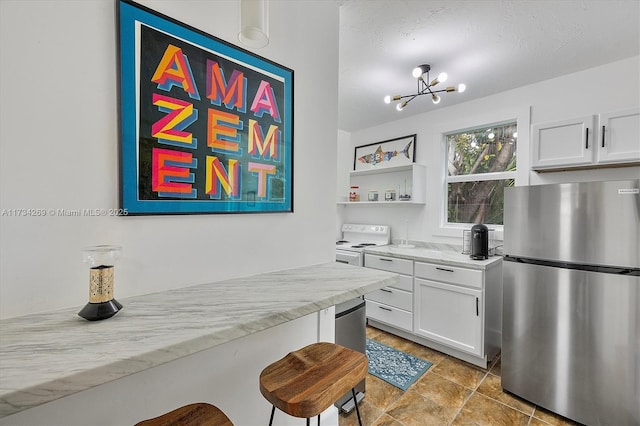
205, 126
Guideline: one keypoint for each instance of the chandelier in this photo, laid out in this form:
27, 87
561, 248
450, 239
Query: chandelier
425, 87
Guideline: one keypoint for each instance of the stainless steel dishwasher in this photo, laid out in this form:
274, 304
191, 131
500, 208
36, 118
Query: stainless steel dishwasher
351, 333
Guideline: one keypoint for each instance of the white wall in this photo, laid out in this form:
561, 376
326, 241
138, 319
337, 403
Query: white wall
611, 87
58, 150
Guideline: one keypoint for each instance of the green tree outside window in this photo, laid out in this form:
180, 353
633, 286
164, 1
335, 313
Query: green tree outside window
480, 163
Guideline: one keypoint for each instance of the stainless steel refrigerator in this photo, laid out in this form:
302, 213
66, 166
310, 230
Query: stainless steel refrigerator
571, 301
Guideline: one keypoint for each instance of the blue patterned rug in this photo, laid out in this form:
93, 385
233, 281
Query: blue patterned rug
393, 366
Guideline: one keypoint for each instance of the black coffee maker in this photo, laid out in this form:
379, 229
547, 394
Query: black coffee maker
479, 242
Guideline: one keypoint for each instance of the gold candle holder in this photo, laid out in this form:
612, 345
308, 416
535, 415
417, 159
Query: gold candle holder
101, 260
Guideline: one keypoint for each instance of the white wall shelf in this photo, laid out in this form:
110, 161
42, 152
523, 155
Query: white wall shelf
406, 179
380, 203
375, 171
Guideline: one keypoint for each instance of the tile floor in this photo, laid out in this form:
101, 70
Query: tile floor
451, 392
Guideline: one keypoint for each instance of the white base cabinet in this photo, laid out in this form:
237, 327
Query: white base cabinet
392, 305
452, 309
449, 314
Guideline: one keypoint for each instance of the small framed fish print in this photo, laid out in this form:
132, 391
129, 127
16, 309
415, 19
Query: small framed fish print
390, 153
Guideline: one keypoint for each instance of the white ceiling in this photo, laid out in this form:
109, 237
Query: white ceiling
490, 45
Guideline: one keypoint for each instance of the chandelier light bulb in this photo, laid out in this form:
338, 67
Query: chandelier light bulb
442, 77
417, 72
401, 106
462, 87
435, 98
387, 99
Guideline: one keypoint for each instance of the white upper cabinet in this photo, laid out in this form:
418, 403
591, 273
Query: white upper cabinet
619, 136
591, 141
563, 143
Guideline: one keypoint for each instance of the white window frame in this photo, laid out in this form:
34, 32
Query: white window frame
475, 119
476, 177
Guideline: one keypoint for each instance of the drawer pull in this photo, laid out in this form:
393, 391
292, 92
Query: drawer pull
386, 309
386, 260
586, 138
445, 269
386, 290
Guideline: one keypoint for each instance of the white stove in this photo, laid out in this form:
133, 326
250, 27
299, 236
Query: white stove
357, 237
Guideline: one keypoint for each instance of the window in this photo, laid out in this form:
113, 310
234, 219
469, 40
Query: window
481, 162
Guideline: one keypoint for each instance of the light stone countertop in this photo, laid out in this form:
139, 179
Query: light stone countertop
50, 355
444, 254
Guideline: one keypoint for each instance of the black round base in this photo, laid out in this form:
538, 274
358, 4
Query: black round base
100, 311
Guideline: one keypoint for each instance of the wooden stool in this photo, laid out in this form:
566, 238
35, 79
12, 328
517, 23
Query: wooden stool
306, 382
201, 414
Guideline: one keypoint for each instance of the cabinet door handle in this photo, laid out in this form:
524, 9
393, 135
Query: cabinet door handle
386, 290
603, 136
586, 145
445, 269
477, 307
385, 260
386, 309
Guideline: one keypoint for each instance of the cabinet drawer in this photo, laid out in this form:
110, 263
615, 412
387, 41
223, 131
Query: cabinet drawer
450, 274
393, 297
386, 263
405, 283
389, 315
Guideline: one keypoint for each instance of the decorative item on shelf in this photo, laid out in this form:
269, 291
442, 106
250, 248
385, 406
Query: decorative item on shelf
390, 195
354, 194
373, 195
101, 260
424, 87
405, 196
254, 23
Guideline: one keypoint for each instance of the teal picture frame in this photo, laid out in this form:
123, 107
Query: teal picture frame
206, 127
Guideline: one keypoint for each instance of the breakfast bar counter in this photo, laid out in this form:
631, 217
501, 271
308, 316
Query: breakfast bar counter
47, 356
